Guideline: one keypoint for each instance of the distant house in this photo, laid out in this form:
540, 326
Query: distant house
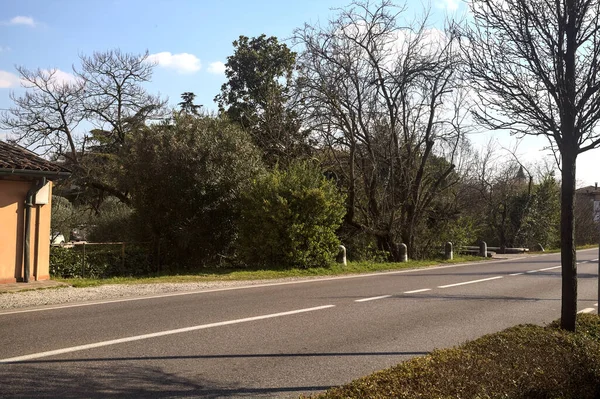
25, 195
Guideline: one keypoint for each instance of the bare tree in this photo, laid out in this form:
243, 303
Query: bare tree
535, 64
500, 193
380, 96
114, 99
107, 94
46, 117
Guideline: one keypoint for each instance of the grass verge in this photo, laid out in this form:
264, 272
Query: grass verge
525, 361
230, 274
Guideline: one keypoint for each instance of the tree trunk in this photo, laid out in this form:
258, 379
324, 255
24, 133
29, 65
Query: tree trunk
386, 243
567, 241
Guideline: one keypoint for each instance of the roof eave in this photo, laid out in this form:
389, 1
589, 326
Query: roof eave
34, 173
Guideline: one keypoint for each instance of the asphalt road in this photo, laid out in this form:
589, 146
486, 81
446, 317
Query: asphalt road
275, 340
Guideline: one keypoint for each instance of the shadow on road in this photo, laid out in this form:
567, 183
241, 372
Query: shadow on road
126, 381
231, 356
107, 378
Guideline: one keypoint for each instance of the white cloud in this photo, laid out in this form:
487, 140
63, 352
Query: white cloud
60, 76
182, 62
449, 5
8, 80
54, 77
217, 68
21, 20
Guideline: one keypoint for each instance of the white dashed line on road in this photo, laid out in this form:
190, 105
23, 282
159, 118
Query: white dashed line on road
373, 298
417, 291
471, 282
549, 268
157, 334
587, 310
516, 274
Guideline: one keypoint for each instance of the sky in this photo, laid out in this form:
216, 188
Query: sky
190, 40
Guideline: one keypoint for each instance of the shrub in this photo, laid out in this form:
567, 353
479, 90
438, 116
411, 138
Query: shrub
289, 219
521, 362
186, 178
100, 261
112, 223
63, 216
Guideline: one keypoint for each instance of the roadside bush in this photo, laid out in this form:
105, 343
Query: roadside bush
528, 362
289, 219
586, 324
112, 223
361, 246
100, 262
186, 177
63, 217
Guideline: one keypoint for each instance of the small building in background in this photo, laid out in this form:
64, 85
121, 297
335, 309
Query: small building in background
25, 210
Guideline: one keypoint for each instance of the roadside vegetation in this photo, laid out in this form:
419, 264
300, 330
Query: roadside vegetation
525, 361
233, 274
359, 137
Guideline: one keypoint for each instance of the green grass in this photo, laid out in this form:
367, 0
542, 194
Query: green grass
557, 250
522, 362
230, 274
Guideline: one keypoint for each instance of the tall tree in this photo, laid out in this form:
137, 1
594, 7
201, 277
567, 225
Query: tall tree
187, 104
535, 66
257, 96
381, 96
114, 99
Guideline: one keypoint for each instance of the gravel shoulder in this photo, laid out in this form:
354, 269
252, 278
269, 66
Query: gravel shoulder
67, 294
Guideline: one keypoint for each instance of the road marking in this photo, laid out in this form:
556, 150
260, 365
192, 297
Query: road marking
157, 334
470, 282
587, 310
549, 268
311, 280
535, 271
373, 298
416, 291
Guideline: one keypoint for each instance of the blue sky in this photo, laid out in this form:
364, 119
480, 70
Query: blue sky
190, 40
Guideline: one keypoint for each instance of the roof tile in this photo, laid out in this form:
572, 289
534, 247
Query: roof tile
18, 158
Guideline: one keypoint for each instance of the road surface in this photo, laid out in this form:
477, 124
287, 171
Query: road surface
274, 340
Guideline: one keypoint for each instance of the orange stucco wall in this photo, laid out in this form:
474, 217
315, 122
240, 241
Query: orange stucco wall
12, 210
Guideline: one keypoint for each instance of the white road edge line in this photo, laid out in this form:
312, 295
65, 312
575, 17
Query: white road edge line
372, 298
416, 291
587, 310
470, 282
516, 274
156, 334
